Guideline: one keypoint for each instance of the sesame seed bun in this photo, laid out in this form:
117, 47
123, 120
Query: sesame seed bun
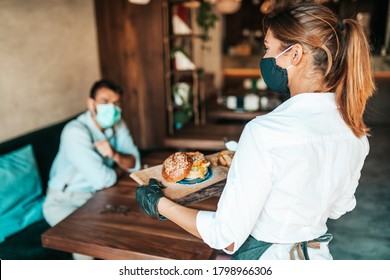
176, 167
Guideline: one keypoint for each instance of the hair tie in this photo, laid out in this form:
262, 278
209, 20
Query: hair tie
341, 24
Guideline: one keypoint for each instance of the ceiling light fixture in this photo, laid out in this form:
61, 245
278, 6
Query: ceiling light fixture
227, 6
139, 2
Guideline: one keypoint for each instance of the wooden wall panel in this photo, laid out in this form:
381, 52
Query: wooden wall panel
131, 54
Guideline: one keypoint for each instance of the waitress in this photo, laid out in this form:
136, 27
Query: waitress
300, 164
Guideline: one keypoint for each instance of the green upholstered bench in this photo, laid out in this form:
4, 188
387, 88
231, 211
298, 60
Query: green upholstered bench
26, 244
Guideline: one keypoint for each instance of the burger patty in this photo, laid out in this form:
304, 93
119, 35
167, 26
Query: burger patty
199, 166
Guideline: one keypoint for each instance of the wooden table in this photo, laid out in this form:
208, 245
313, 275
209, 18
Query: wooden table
112, 226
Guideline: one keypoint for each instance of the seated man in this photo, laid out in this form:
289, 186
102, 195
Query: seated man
94, 150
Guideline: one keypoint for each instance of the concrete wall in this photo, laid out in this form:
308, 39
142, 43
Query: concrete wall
48, 61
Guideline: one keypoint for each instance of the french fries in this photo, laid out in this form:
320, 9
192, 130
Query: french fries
223, 158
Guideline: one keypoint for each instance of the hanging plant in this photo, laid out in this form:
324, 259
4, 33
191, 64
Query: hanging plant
206, 19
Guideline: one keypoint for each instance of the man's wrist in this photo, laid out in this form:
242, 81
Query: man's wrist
114, 155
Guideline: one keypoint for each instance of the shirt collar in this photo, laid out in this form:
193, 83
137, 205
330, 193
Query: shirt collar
318, 102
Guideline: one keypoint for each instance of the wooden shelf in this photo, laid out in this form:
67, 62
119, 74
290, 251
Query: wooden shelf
189, 36
254, 72
182, 1
204, 137
193, 77
241, 72
185, 72
382, 74
221, 113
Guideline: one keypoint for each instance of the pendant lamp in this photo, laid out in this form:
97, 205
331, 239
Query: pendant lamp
139, 2
227, 6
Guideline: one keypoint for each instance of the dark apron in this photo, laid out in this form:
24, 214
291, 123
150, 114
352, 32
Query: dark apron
253, 249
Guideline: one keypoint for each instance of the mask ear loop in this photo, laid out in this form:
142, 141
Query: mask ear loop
284, 51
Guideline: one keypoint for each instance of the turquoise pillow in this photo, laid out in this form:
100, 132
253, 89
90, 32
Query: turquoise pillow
20, 191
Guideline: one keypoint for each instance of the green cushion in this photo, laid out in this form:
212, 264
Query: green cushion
20, 191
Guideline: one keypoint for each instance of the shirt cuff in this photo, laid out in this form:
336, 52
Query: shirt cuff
205, 221
137, 165
205, 224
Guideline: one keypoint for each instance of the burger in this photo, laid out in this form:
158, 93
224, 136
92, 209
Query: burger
185, 165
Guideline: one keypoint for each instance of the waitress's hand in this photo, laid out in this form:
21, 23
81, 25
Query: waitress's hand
147, 197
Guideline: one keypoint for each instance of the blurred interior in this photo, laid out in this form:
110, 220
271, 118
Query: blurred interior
56, 52
52, 51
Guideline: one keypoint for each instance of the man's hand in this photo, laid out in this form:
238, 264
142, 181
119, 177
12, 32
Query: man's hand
104, 148
124, 161
148, 196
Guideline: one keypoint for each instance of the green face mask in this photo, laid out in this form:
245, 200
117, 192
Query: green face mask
275, 76
108, 115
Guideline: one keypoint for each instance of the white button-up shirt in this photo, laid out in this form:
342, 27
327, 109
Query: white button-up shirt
294, 168
79, 164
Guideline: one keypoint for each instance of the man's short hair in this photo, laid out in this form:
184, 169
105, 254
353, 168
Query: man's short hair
105, 84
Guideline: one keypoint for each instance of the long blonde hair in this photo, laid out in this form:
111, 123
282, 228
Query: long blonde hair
340, 52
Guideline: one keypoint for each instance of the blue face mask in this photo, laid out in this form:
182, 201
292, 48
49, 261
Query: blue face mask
275, 76
107, 115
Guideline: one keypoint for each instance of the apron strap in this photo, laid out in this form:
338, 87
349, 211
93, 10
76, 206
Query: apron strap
301, 247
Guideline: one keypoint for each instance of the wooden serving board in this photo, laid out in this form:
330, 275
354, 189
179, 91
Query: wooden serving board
185, 193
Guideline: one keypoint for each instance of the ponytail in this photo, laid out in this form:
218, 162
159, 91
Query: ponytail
356, 80
340, 53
